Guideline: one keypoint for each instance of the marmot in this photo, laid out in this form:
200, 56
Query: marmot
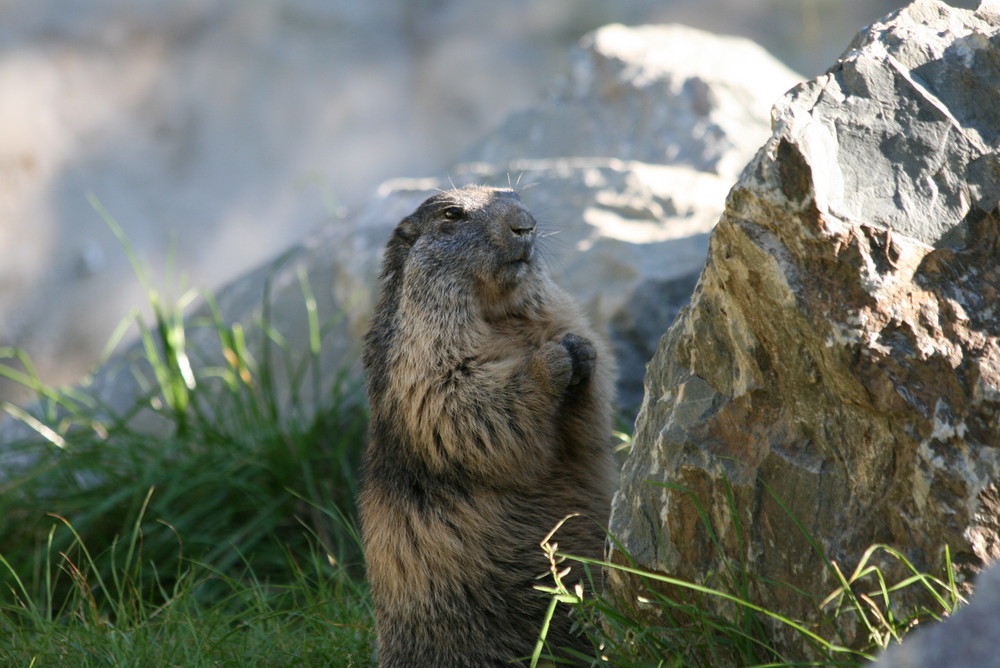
491, 414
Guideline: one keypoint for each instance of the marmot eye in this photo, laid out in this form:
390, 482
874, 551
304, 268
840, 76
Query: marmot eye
454, 213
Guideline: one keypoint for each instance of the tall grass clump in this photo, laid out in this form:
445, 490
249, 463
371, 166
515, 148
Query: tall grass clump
223, 492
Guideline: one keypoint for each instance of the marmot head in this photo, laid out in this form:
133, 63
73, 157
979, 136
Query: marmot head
475, 239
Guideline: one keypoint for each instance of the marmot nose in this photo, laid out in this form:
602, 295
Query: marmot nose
522, 224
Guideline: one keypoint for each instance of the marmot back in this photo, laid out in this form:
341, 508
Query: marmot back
491, 411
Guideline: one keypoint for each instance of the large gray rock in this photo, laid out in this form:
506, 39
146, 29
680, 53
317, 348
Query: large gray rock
841, 353
641, 94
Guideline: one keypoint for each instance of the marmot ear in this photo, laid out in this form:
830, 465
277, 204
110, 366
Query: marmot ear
406, 231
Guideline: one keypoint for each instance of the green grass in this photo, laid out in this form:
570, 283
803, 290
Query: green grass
313, 615
224, 535
209, 523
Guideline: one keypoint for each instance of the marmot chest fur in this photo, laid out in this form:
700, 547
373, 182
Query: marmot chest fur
490, 403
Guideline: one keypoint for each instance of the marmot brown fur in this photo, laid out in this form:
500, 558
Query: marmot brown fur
491, 412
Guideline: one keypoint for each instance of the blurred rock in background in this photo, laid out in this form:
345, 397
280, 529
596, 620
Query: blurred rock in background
632, 156
219, 133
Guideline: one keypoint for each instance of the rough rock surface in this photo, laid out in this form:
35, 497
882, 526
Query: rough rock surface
841, 352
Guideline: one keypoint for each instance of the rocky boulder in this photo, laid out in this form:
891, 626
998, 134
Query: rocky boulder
835, 380
638, 94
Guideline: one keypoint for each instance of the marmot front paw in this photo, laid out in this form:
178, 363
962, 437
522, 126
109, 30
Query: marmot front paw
584, 357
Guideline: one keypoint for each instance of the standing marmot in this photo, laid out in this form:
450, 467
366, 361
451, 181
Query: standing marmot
490, 421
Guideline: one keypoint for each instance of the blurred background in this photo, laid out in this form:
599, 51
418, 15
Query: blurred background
218, 133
